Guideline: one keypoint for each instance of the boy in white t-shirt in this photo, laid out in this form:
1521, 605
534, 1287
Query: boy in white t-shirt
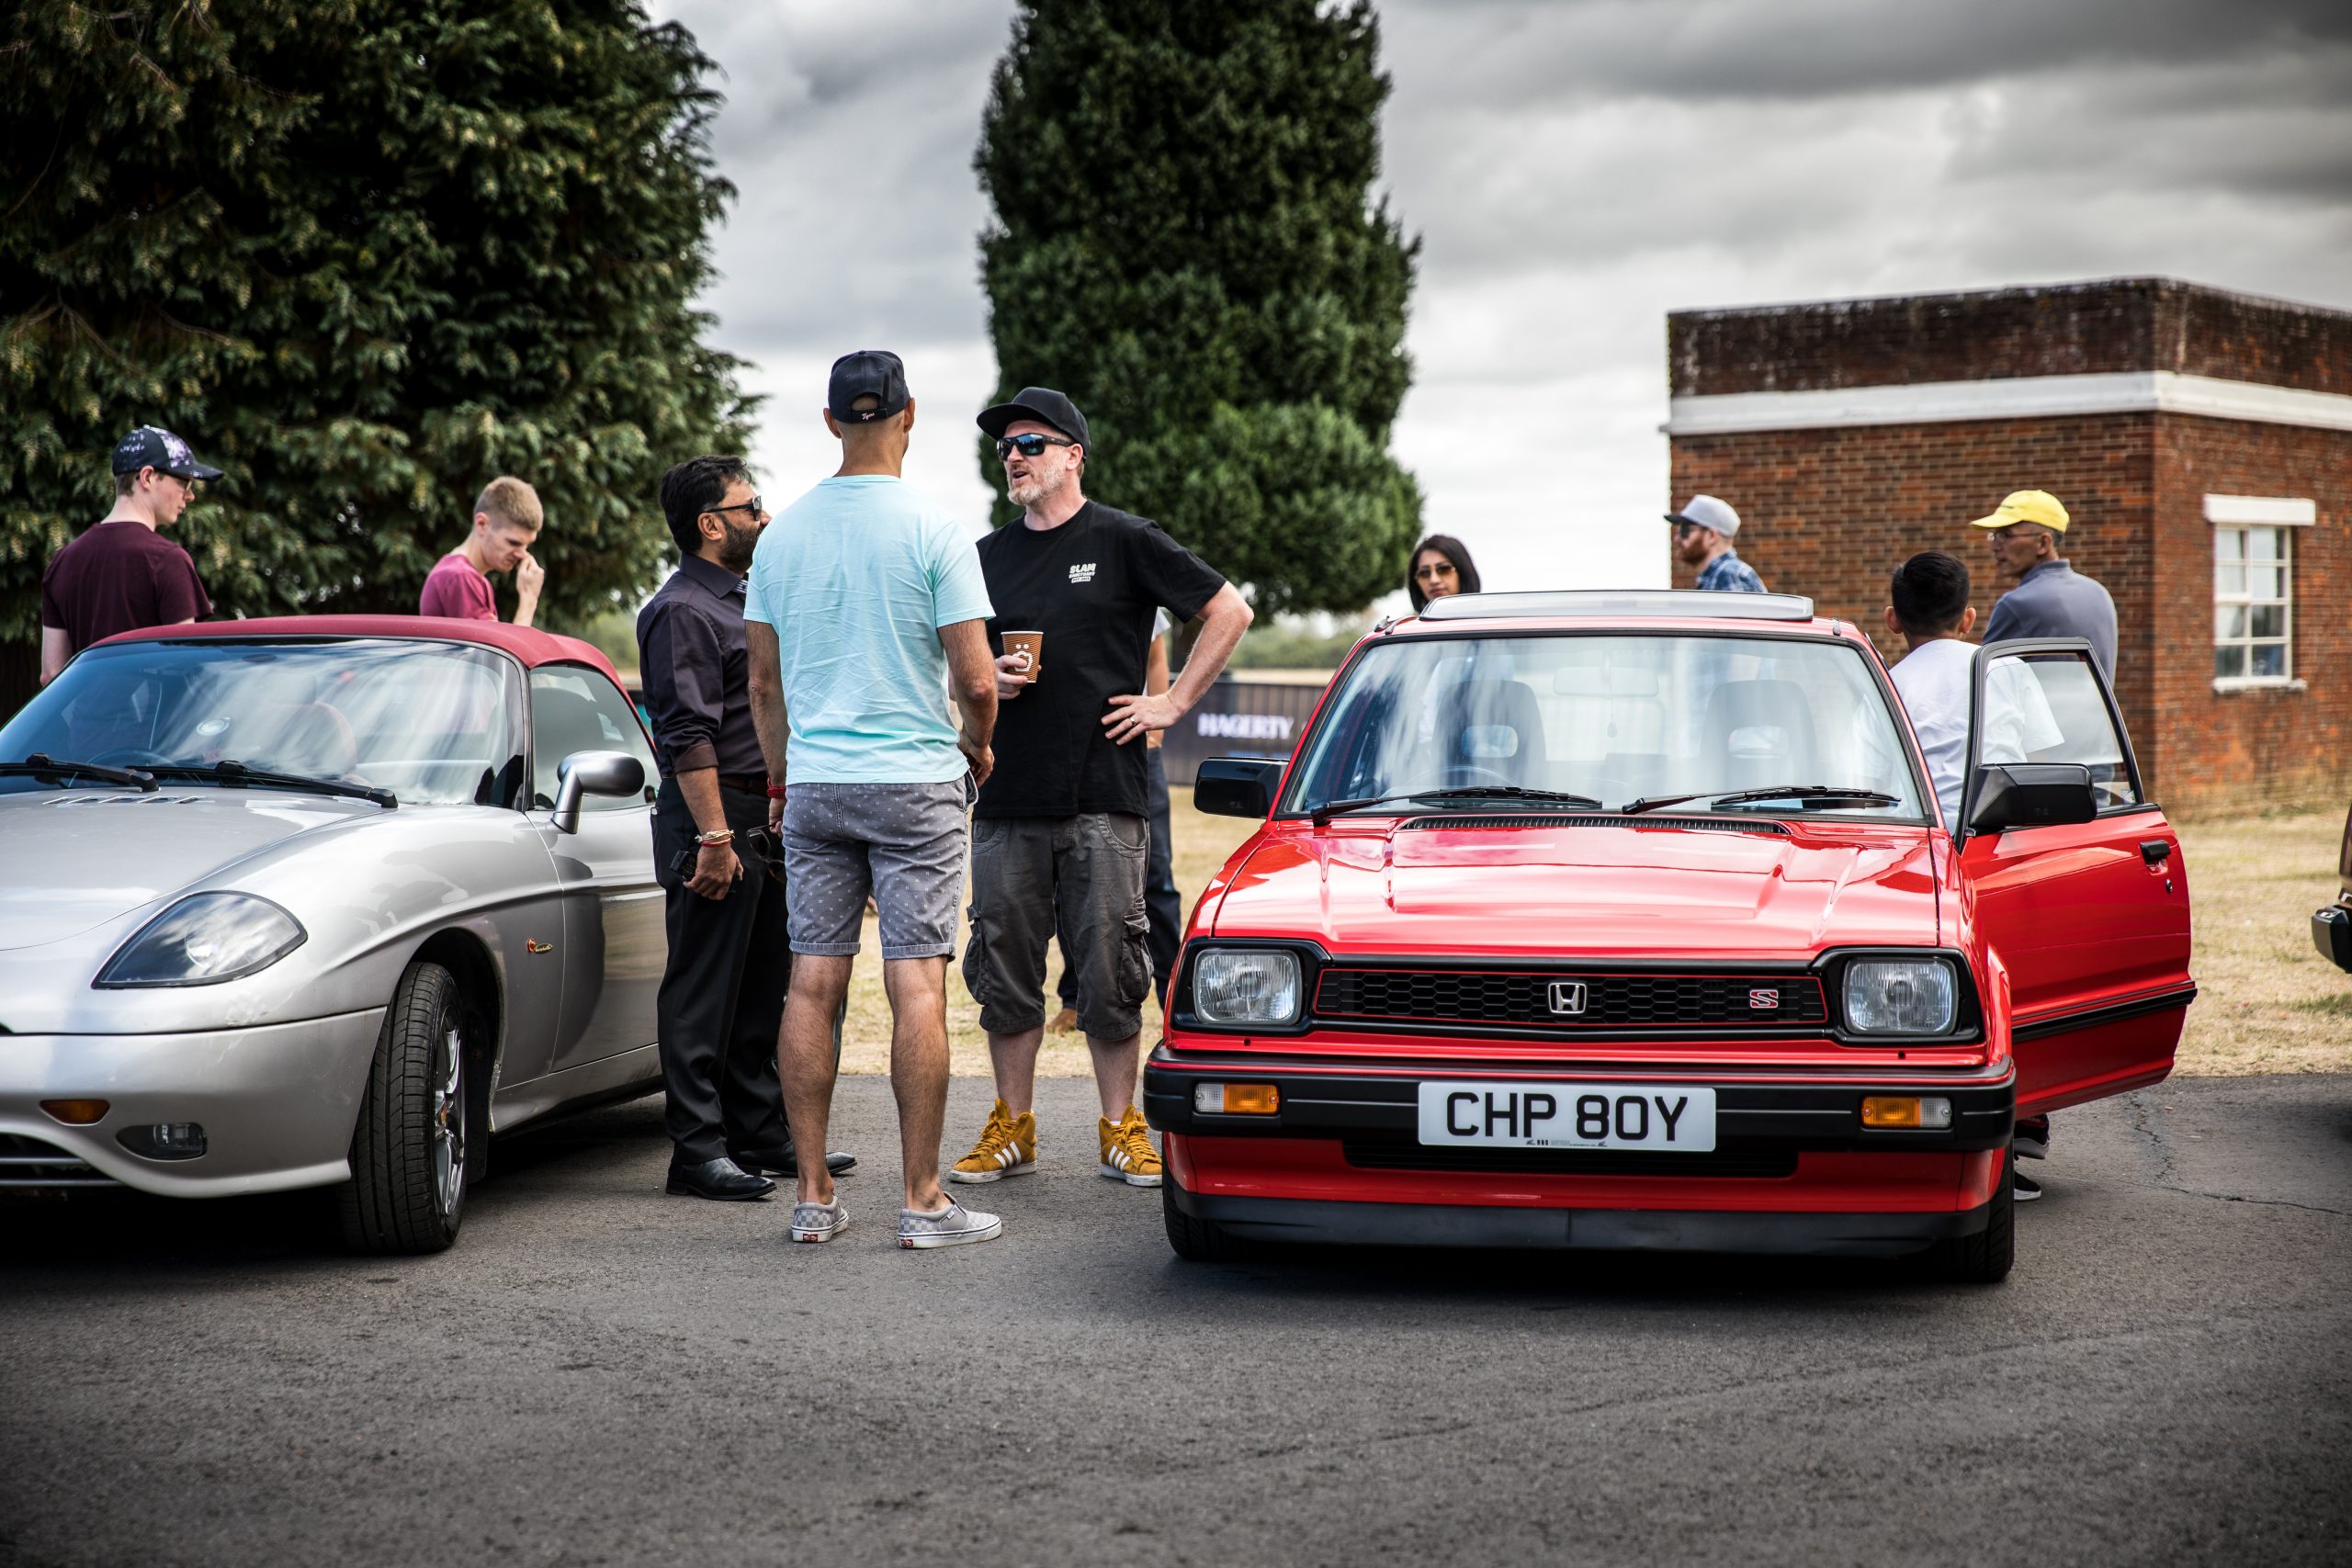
1931, 611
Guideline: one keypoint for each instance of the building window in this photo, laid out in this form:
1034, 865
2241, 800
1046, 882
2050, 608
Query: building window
2253, 560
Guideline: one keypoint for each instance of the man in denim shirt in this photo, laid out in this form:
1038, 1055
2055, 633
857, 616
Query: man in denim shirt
1703, 535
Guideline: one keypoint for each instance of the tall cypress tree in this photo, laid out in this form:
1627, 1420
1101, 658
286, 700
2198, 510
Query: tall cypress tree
364, 254
1185, 241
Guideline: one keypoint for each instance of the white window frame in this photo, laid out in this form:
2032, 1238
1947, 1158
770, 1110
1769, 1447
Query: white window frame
2237, 519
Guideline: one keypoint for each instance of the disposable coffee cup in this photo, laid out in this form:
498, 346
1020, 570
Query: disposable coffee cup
1031, 643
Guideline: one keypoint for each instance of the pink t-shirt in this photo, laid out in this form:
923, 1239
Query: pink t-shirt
455, 589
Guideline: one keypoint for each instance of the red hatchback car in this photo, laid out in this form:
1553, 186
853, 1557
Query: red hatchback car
1631, 920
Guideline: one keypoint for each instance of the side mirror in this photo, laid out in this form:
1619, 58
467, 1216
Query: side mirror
592, 772
2032, 794
1237, 786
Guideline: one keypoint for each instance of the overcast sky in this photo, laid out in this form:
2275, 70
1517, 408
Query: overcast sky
1574, 169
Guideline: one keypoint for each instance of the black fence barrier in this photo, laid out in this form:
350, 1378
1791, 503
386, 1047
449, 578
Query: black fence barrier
1240, 718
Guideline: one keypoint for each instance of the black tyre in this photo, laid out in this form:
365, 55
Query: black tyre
1195, 1241
407, 1192
1983, 1259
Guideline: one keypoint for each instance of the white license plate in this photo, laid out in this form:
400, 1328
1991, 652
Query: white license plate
1570, 1116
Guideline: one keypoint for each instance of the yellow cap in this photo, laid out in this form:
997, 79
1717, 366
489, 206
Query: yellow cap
2026, 506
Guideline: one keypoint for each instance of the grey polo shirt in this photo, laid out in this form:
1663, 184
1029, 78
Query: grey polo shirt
2052, 601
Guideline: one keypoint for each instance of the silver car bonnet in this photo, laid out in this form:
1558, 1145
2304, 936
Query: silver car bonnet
72, 860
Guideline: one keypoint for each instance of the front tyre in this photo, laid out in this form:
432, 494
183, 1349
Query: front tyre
1983, 1258
1195, 1241
407, 1192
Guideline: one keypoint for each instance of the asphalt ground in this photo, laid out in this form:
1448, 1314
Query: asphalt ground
600, 1374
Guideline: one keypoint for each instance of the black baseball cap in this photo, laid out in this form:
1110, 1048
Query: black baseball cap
1046, 407
869, 373
150, 446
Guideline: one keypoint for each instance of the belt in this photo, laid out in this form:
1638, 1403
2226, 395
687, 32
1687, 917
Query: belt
754, 784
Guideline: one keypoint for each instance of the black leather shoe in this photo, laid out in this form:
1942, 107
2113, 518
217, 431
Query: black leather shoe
722, 1179
786, 1161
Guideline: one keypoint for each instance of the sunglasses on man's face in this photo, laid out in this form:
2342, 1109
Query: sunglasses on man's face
1030, 446
751, 506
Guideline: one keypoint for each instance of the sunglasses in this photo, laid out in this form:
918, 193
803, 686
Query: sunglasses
1030, 446
751, 506
765, 848
1426, 573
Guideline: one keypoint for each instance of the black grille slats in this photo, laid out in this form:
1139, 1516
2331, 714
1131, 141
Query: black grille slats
1524, 999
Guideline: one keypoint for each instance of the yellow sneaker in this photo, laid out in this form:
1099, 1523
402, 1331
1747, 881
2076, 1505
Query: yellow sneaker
1127, 1154
1008, 1147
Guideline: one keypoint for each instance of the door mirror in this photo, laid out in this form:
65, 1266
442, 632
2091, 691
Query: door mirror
1237, 786
592, 772
2032, 794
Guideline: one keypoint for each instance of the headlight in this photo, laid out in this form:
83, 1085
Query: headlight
1246, 987
1900, 996
204, 940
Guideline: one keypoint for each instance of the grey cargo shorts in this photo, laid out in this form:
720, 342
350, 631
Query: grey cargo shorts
1085, 873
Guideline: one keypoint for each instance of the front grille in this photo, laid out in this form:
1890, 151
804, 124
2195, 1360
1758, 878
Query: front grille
1565, 820
1609, 1001
29, 1162
1369, 1154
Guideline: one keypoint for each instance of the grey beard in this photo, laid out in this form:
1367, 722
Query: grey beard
1036, 490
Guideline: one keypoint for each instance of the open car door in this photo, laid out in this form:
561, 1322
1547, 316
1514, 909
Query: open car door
2086, 904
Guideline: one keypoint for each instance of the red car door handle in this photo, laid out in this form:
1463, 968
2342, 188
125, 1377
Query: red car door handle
2155, 852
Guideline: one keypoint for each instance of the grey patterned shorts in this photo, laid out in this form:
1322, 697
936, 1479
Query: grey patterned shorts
902, 843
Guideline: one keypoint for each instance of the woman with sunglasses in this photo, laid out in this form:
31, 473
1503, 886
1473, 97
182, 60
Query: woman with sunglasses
1441, 567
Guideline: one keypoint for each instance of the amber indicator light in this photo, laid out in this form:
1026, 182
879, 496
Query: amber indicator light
1252, 1098
1891, 1111
75, 1113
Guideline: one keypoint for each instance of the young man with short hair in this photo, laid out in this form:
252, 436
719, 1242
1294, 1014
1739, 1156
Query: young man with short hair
1703, 531
506, 520
121, 574
865, 604
1061, 841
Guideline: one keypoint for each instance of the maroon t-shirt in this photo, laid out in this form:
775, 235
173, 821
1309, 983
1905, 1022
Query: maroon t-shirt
119, 577
453, 588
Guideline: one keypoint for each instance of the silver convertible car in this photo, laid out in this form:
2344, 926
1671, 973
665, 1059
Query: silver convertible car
321, 902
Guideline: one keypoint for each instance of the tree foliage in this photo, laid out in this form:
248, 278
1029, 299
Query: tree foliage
364, 254
1185, 243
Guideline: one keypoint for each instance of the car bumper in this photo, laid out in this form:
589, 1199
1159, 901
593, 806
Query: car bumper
276, 1104
1793, 1170
2332, 934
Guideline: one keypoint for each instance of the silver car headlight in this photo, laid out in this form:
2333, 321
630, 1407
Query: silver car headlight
1900, 996
203, 940
1246, 986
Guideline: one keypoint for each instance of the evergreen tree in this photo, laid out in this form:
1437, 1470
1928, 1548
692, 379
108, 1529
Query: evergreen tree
1185, 243
364, 254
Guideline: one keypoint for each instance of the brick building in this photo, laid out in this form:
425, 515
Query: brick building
2201, 442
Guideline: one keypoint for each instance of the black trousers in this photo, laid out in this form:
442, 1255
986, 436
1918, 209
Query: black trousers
1163, 906
722, 993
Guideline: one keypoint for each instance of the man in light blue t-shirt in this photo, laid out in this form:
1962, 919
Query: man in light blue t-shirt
864, 614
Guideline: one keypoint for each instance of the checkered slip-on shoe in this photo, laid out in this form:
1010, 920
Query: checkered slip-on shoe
952, 1226
819, 1222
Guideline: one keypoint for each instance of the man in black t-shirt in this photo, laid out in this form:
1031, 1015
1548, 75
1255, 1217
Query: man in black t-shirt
1059, 834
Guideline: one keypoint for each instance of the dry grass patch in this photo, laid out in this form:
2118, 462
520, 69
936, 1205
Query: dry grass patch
2268, 1002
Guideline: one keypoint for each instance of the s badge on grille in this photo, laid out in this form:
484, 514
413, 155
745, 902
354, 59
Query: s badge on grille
1567, 996
1763, 1000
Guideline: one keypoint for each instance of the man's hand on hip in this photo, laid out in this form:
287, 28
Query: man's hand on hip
981, 758
1130, 716
716, 870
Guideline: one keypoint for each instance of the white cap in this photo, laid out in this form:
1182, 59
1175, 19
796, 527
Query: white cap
1707, 512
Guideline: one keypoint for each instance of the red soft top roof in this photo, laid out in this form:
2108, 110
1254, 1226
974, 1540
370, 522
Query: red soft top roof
529, 644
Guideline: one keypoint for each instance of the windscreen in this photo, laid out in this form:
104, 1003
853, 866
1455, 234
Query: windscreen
431, 722
1618, 717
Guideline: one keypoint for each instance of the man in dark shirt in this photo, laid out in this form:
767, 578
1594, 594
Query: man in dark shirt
121, 574
1061, 837
2027, 534
721, 1002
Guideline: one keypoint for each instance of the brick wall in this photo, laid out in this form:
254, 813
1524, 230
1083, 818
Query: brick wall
2142, 323
1830, 514
2268, 746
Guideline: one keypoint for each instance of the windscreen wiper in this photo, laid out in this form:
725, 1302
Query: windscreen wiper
1836, 794
236, 775
1325, 812
41, 766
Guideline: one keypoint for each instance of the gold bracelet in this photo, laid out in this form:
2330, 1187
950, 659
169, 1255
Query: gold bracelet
717, 836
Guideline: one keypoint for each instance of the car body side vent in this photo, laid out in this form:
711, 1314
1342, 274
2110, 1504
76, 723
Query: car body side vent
1572, 819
